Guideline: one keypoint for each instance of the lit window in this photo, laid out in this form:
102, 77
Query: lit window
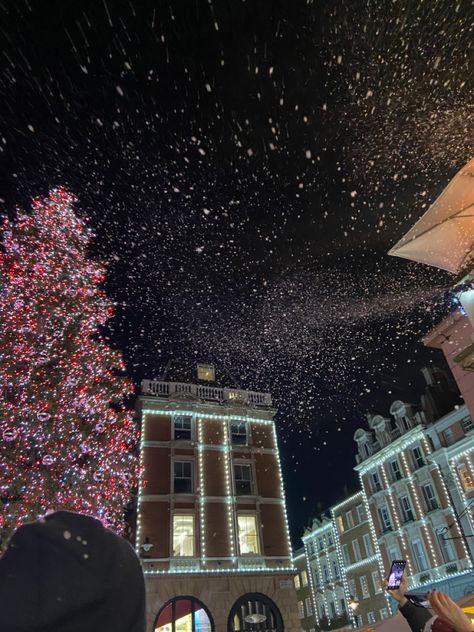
248, 535
183, 535
183, 614
430, 498
206, 372
243, 480
349, 520
183, 478
182, 427
304, 578
309, 606
364, 584
296, 581
369, 549
301, 609
465, 476
340, 524
238, 432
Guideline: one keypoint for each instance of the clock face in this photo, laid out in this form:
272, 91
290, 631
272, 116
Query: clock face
206, 372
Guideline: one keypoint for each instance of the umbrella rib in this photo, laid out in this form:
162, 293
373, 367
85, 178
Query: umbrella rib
453, 216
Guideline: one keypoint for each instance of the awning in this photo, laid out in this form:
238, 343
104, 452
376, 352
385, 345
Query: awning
444, 236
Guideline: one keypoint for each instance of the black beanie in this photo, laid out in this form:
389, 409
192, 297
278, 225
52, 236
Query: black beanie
68, 573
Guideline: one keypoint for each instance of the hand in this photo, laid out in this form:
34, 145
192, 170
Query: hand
399, 593
449, 612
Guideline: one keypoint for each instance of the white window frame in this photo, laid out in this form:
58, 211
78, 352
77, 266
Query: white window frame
245, 434
384, 614
309, 607
375, 483
386, 523
248, 467
349, 519
431, 500
346, 557
361, 513
177, 514
446, 545
175, 418
467, 425
419, 553
395, 471
416, 458
377, 582
371, 617
369, 549
407, 510
352, 588
301, 609
364, 586
356, 550
253, 515
179, 461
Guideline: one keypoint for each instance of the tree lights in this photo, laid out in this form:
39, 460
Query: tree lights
65, 439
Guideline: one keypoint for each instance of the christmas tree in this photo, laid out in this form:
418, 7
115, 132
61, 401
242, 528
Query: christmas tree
66, 440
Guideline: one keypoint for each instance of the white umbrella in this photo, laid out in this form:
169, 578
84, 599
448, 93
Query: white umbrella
444, 236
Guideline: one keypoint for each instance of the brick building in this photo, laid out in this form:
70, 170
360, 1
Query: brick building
211, 528
360, 560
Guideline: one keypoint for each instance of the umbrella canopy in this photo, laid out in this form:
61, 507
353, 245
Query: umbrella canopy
444, 236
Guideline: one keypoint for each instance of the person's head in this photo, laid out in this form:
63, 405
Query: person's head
68, 573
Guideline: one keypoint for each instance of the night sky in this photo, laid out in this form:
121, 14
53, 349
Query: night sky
246, 166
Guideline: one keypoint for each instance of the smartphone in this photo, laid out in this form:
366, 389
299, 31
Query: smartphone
396, 574
418, 599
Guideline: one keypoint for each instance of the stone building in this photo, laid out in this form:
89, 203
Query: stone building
212, 529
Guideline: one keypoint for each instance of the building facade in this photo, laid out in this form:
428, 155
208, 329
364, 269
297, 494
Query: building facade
330, 604
360, 560
212, 529
411, 508
303, 592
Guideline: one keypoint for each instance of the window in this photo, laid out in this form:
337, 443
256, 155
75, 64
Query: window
238, 432
304, 578
448, 436
183, 477
395, 469
309, 606
345, 554
385, 518
183, 535
296, 581
182, 427
332, 608
243, 480
384, 613
393, 553
361, 513
335, 570
417, 457
359, 620
206, 372
375, 482
301, 609
419, 553
327, 579
343, 605
430, 498
465, 477
330, 540
310, 548
248, 535
446, 546
364, 584
376, 582
467, 424
349, 520
322, 612
184, 613
340, 524
356, 549
321, 543
370, 617
407, 511
369, 549
352, 588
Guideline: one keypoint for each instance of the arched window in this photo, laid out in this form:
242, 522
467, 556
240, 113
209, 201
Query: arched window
255, 612
184, 614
